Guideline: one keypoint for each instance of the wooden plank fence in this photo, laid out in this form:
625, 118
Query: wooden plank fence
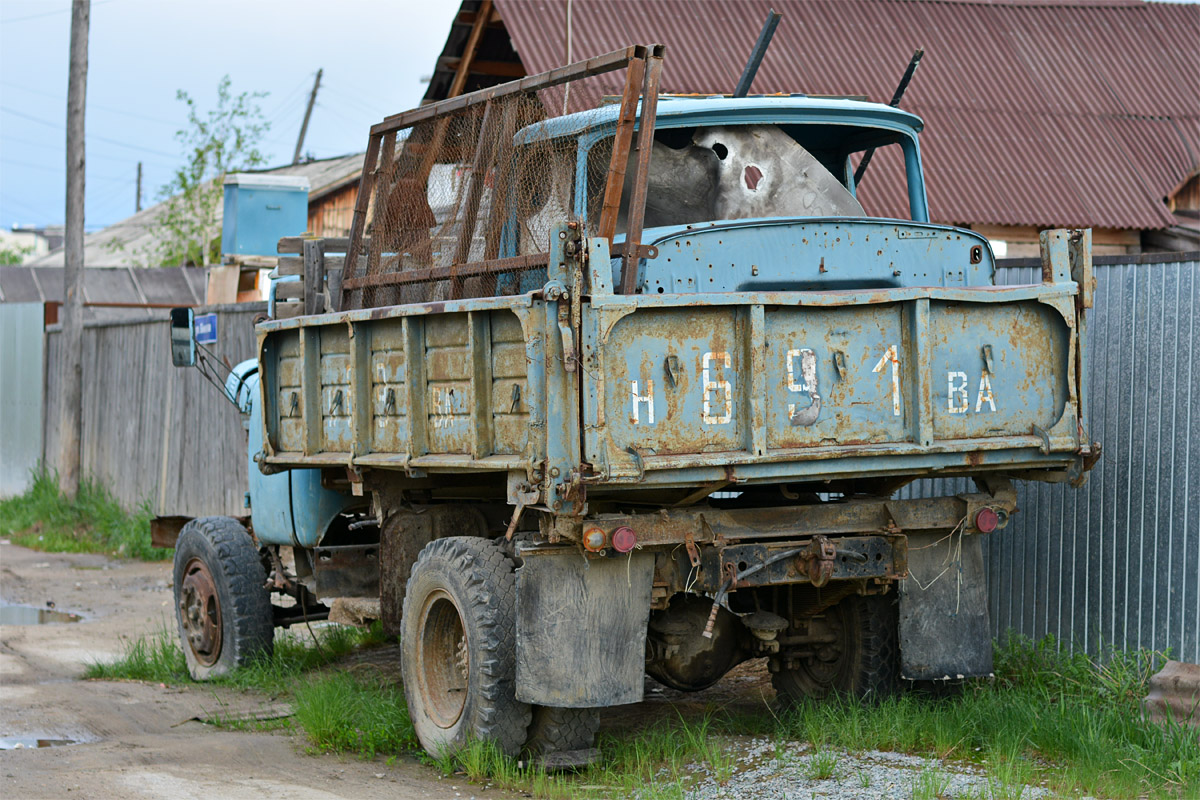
153, 432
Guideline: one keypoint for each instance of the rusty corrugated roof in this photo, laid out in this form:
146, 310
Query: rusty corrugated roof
1038, 112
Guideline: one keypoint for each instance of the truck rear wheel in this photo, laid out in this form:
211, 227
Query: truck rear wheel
863, 661
222, 607
458, 647
557, 730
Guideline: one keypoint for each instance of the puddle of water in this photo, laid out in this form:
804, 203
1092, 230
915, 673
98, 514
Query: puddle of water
29, 615
32, 742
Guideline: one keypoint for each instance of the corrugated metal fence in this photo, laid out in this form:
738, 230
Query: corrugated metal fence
1116, 562
21, 368
150, 431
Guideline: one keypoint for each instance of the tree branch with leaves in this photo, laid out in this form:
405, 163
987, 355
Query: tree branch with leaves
216, 142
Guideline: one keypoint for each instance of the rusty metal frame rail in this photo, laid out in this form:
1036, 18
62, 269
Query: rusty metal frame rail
645, 67
637, 201
514, 264
608, 62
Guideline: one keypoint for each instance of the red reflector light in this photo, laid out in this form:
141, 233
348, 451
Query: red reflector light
987, 520
624, 539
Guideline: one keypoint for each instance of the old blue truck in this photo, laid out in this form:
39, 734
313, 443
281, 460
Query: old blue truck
631, 391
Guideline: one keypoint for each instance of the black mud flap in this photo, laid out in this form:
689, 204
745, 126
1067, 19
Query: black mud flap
581, 628
944, 629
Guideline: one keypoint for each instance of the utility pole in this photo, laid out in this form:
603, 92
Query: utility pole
312, 98
70, 426
137, 206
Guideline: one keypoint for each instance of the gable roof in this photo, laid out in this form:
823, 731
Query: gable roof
1037, 112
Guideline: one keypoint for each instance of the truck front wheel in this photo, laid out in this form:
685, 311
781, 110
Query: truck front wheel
458, 647
221, 604
860, 656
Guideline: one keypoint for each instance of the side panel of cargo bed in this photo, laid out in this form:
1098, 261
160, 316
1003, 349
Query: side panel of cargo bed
456, 388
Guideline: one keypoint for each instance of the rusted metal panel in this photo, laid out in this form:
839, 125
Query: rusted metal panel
465, 393
510, 387
448, 405
706, 525
336, 398
389, 377
164, 531
676, 377
287, 374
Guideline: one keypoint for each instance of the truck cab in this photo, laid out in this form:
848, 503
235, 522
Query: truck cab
767, 172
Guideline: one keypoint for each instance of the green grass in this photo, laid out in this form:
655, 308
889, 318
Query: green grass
821, 766
1049, 715
1065, 720
929, 784
158, 658
347, 713
340, 712
44, 519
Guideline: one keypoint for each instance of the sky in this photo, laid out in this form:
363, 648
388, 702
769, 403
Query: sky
142, 51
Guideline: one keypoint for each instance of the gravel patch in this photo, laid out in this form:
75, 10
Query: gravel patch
766, 770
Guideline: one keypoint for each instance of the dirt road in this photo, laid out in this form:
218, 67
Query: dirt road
134, 740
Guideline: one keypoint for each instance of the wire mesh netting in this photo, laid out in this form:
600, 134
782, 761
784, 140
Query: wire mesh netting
463, 204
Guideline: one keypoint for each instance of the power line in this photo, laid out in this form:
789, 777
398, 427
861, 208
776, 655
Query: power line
346, 105
284, 121
339, 90
283, 137
91, 105
56, 126
58, 170
59, 149
106, 202
285, 103
48, 13
20, 206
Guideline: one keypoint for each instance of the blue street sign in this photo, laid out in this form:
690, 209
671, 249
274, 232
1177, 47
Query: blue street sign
206, 329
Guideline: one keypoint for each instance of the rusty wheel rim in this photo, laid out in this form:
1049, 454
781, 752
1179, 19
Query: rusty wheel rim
200, 611
443, 659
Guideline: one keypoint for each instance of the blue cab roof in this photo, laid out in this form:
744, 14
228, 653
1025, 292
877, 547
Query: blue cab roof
676, 112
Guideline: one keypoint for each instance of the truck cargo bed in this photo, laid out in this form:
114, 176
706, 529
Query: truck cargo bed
610, 391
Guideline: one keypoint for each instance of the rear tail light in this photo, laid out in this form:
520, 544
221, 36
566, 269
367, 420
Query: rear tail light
624, 539
987, 520
593, 538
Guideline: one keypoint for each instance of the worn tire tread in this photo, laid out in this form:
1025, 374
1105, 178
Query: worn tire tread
554, 729
491, 589
875, 674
